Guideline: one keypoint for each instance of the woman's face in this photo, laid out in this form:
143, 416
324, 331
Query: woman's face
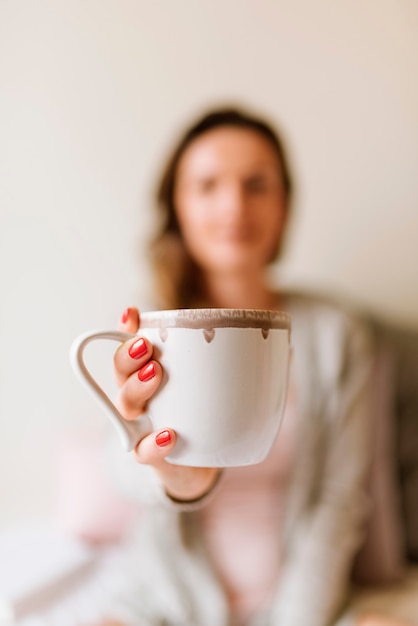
230, 201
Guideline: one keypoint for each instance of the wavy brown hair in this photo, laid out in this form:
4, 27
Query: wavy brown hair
177, 277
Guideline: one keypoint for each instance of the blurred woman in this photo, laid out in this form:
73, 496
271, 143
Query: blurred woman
271, 544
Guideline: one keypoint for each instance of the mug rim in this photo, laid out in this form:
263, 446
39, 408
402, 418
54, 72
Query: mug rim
208, 318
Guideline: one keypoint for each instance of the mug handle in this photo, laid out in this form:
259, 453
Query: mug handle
129, 431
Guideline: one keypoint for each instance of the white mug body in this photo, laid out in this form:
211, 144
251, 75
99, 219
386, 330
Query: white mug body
223, 392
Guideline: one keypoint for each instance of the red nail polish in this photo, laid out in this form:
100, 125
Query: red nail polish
163, 438
147, 372
125, 315
138, 349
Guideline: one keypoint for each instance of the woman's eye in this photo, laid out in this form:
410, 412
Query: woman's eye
207, 186
256, 185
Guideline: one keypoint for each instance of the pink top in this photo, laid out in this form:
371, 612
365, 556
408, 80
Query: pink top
242, 524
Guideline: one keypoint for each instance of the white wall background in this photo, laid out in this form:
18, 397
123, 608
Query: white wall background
91, 94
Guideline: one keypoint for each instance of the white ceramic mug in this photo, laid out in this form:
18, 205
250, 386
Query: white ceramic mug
224, 386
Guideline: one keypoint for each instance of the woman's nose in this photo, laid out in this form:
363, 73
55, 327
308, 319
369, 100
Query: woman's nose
233, 200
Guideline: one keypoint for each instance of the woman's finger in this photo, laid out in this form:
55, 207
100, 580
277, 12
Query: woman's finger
153, 449
129, 320
130, 357
138, 389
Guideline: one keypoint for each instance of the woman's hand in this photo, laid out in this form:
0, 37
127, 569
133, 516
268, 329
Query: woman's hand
139, 375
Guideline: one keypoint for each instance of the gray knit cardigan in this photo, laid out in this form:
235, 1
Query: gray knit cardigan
327, 507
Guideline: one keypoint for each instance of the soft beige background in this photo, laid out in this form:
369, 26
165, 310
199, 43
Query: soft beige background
93, 91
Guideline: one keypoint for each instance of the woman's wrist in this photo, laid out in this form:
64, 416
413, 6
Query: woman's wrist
189, 485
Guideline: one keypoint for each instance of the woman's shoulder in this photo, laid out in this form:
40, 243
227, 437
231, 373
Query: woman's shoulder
328, 326
321, 307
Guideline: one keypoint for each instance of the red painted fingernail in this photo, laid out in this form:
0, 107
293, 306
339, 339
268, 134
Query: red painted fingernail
125, 315
138, 349
163, 438
147, 372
